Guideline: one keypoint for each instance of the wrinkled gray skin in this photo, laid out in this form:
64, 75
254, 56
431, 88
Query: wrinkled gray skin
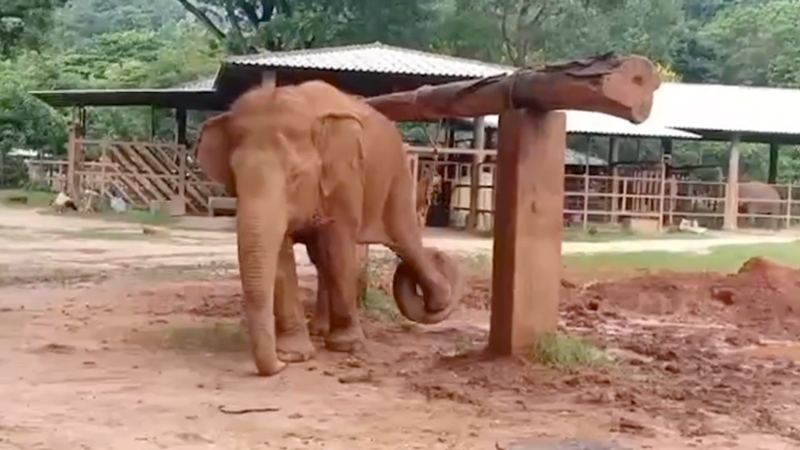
751, 201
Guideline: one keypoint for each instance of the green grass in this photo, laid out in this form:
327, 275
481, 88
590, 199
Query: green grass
35, 199
726, 258
611, 234
216, 338
378, 305
564, 351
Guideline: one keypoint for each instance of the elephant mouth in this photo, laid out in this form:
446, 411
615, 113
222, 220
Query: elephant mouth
428, 307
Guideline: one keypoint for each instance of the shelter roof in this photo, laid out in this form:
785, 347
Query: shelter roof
585, 122
576, 158
719, 111
163, 98
373, 58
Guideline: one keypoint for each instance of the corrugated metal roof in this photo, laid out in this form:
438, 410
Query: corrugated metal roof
575, 158
203, 84
586, 122
376, 58
716, 107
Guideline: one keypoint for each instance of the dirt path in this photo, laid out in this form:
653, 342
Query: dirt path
69, 243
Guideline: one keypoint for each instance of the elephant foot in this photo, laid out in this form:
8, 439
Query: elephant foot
319, 326
294, 346
345, 340
271, 368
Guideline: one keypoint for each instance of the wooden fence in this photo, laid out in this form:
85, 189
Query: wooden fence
142, 173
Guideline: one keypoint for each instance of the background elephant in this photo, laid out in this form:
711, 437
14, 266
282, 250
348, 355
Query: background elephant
756, 197
311, 164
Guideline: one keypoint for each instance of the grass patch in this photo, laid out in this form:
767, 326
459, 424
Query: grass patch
216, 338
564, 351
161, 218
380, 306
32, 198
727, 258
612, 234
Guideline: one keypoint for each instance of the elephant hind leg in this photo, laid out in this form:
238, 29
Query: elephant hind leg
319, 325
339, 272
293, 341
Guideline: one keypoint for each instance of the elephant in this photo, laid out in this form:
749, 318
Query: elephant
756, 197
311, 164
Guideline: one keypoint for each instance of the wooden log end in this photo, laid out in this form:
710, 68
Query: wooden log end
631, 86
621, 86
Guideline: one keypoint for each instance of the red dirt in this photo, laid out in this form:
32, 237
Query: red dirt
684, 375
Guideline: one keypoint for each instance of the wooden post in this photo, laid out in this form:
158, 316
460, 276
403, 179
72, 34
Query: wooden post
789, 206
731, 219
772, 175
478, 143
269, 78
180, 127
662, 192
613, 157
586, 182
72, 162
526, 271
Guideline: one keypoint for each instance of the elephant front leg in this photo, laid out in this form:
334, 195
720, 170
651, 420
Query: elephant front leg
340, 270
293, 342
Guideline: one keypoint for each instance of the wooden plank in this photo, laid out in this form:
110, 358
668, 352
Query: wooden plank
155, 185
526, 272
131, 176
159, 160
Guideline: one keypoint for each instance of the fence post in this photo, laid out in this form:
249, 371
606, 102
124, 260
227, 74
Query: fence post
789, 189
662, 192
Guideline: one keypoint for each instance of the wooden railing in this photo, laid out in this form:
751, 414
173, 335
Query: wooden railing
143, 172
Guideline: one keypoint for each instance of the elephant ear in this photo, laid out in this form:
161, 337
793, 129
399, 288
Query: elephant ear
213, 150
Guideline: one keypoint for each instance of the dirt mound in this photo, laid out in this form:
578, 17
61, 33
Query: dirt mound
762, 295
765, 294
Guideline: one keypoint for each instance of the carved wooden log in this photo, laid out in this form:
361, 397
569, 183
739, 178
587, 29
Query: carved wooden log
619, 86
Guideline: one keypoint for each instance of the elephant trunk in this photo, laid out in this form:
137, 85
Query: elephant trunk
434, 304
261, 224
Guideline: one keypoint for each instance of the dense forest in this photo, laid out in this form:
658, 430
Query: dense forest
61, 44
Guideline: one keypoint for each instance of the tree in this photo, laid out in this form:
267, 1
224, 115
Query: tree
758, 43
24, 23
248, 26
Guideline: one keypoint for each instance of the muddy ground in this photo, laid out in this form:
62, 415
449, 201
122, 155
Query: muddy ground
110, 338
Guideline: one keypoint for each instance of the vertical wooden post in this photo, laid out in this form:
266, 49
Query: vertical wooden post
731, 219
478, 143
772, 175
269, 78
613, 157
586, 182
662, 195
526, 271
180, 127
789, 189
72, 161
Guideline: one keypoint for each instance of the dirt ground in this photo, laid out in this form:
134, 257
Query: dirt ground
111, 338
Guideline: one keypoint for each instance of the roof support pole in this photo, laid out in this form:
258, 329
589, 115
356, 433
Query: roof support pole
180, 127
613, 156
772, 175
730, 222
269, 78
526, 269
478, 143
